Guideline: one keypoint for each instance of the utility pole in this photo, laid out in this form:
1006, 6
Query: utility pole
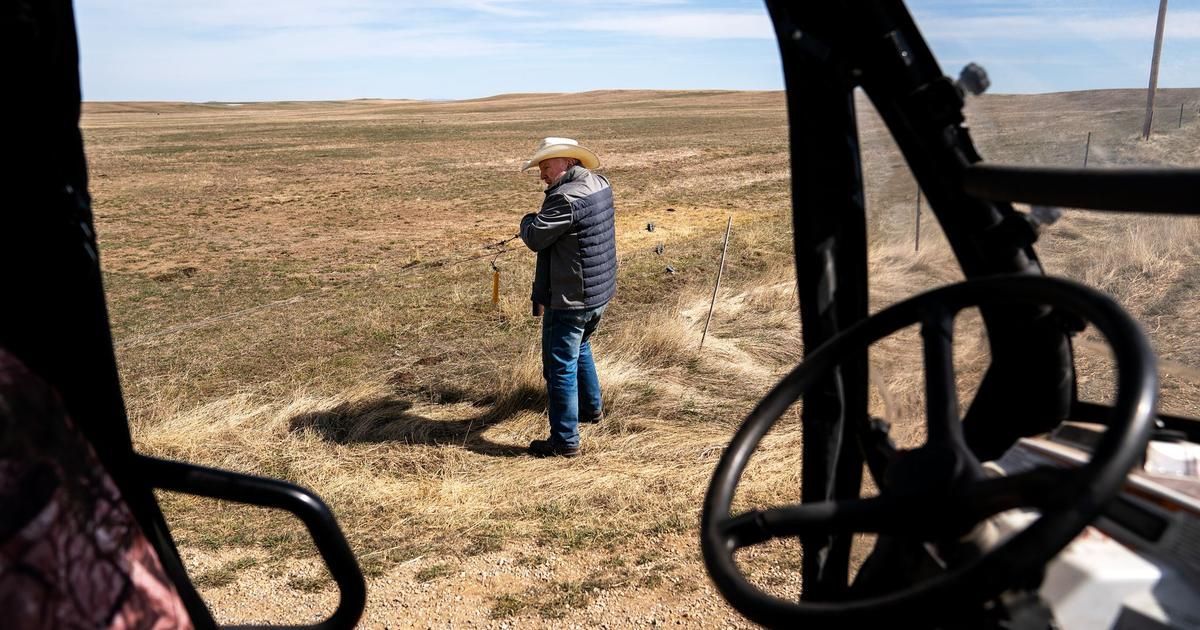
1158, 37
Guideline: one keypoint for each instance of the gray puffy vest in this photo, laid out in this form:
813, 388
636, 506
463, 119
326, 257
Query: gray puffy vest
575, 240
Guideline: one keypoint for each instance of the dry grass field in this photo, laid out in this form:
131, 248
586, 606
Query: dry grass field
303, 290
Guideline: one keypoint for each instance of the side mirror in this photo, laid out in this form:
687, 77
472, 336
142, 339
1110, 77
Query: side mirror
272, 493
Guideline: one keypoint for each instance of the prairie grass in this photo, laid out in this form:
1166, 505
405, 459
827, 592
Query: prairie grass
302, 290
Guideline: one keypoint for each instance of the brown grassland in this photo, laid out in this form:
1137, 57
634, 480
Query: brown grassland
303, 290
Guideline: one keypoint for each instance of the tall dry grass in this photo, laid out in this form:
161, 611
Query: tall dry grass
362, 365
667, 414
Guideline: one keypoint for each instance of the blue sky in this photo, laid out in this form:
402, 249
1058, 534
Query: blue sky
254, 50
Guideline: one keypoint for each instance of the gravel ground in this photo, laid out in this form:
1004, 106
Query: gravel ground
494, 590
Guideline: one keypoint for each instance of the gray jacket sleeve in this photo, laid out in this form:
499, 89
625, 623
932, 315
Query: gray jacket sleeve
540, 230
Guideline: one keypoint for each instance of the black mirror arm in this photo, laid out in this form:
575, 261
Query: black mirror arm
1149, 190
272, 493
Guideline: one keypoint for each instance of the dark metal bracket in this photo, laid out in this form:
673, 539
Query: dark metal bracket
271, 493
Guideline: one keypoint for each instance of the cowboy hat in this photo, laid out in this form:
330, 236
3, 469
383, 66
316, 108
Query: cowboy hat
564, 148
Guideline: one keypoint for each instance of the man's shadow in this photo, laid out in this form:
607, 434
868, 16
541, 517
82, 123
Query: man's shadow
388, 419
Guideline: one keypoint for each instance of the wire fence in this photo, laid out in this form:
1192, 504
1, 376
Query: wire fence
495, 251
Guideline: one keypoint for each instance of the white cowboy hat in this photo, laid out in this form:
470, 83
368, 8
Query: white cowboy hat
565, 148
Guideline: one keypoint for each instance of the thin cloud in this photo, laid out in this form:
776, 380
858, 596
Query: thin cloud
1180, 25
356, 43
465, 48
683, 25
1055, 25
233, 14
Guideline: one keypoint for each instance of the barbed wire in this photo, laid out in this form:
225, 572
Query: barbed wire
499, 245
506, 241
498, 248
495, 251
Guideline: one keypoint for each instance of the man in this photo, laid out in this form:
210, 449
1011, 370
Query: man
576, 275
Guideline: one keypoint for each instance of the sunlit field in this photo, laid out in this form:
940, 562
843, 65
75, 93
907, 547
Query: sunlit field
304, 291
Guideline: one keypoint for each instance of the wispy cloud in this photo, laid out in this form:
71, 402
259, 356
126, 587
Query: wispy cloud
684, 25
1057, 26
266, 49
1180, 25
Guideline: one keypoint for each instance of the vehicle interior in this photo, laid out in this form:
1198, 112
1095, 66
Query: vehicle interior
933, 563
939, 559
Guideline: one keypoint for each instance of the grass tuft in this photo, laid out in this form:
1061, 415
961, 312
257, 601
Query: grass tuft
289, 298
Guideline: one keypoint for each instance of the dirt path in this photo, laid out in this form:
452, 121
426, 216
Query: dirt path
505, 589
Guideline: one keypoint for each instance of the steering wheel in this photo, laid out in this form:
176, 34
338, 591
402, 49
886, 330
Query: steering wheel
937, 492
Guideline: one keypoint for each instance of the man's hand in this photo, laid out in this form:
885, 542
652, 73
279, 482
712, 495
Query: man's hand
538, 309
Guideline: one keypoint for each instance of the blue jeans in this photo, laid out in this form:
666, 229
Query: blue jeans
571, 381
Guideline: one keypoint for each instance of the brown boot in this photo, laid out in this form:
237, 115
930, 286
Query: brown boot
546, 448
592, 418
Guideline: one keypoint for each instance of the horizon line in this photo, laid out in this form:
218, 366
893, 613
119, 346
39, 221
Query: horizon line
580, 93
